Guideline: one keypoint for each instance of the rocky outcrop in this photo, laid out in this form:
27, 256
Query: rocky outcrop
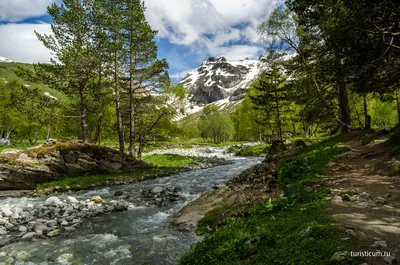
254, 184
26, 169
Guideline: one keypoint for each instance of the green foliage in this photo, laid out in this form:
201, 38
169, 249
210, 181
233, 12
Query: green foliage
272, 99
215, 126
246, 120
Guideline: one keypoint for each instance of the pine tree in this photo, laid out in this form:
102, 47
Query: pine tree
272, 97
74, 61
145, 72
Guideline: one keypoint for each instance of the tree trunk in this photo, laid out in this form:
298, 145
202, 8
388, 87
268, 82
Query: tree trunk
343, 103
398, 105
120, 123
294, 128
141, 147
98, 130
132, 150
278, 114
367, 117
84, 125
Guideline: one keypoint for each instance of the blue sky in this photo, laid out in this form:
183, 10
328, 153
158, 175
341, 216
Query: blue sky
189, 30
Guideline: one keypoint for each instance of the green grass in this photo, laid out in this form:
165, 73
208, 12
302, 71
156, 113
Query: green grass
273, 231
23, 146
163, 165
169, 160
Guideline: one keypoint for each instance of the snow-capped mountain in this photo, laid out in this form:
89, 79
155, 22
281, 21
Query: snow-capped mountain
224, 83
218, 79
5, 60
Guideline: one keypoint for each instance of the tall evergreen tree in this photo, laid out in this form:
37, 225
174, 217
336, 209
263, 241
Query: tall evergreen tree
145, 72
74, 61
272, 97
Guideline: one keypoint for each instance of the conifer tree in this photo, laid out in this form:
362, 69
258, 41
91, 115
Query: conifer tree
272, 97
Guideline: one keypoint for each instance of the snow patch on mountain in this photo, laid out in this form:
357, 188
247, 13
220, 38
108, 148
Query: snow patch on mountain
224, 83
5, 60
217, 79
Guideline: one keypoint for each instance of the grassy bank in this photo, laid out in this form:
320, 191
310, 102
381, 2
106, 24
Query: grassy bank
294, 230
163, 165
255, 150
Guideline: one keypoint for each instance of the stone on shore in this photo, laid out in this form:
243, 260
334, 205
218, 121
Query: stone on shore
96, 199
53, 201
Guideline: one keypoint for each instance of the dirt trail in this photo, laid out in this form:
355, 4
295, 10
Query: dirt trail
371, 197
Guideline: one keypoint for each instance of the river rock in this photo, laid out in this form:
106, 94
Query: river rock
28, 236
96, 199
23, 255
51, 223
157, 190
69, 229
3, 232
54, 233
118, 193
53, 201
5, 210
72, 200
23, 228
65, 258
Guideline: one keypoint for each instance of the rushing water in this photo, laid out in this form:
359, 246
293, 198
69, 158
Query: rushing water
136, 237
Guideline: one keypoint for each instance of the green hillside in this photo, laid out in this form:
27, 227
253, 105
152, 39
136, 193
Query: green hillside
7, 73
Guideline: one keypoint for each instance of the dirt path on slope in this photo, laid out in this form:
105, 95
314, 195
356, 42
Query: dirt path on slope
366, 197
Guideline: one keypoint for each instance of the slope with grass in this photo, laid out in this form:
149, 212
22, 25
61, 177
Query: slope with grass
295, 229
7, 74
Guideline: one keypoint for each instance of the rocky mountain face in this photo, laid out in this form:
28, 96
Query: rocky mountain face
224, 83
217, 79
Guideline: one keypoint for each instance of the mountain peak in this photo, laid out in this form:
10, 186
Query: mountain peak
218, 79
215, 60
5, 60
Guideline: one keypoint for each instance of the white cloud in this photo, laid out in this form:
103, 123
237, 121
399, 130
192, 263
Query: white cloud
239, 52
18, 10
19, 42
211, 26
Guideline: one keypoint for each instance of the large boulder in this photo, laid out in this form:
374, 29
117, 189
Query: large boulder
26, 169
